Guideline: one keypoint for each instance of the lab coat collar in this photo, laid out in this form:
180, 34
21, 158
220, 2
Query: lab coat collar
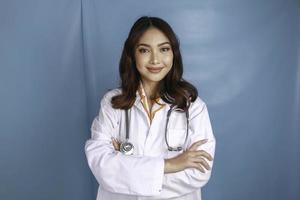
141, 92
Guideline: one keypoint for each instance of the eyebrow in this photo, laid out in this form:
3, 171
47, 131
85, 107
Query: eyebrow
147, 45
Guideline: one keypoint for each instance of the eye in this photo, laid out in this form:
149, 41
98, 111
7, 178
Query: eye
165, 49
143, 50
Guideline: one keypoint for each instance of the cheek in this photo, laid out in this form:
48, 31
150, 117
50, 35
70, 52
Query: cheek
140, 60
168, 60
140, 64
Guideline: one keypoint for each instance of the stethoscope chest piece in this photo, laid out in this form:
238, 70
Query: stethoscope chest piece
126, 148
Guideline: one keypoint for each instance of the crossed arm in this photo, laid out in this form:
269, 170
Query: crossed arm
166, 178
191, 158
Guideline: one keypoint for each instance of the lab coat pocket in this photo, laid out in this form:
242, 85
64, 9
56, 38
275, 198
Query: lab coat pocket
176, 137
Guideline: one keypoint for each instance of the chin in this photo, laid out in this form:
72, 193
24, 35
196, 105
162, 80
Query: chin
154, 79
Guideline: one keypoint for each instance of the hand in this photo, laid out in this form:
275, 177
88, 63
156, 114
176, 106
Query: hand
116, 143
191, 158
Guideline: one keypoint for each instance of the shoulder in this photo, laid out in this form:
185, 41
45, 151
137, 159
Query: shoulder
112, 92
197, 107
199, 102
106, 99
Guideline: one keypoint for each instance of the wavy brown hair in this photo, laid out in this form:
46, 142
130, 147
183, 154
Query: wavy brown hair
172, 88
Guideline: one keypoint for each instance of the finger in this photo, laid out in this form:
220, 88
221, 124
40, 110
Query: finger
116, 140
197, 144
199, 167
117, 148
203, 153
115, 144
202, 162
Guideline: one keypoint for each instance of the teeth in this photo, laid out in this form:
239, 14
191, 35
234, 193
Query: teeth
154, 70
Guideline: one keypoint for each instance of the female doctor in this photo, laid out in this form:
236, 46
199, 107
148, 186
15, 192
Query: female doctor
152, 138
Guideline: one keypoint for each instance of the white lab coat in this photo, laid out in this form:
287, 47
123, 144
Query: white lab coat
141, 175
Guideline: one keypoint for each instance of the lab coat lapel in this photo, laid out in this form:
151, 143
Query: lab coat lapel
138, 104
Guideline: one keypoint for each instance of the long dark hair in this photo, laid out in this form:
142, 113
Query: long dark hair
172, 89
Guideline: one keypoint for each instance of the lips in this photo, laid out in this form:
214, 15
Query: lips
154, 69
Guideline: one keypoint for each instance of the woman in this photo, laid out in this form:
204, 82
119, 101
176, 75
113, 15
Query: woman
152, 138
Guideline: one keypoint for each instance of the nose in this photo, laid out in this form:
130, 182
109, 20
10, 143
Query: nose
154, 58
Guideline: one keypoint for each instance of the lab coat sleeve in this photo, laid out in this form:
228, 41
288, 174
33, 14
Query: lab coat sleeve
113, 170
189, 180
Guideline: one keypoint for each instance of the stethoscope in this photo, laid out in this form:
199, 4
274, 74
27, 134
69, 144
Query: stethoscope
127, 147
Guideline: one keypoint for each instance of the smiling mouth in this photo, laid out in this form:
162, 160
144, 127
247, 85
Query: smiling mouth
154, 69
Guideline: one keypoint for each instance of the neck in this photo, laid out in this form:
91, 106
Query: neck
150, 88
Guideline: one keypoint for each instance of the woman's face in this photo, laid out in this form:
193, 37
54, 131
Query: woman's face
153, 56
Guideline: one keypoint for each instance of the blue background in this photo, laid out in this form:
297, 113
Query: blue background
58, 57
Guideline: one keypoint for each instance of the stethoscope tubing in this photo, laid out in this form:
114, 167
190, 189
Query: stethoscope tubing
179, 148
